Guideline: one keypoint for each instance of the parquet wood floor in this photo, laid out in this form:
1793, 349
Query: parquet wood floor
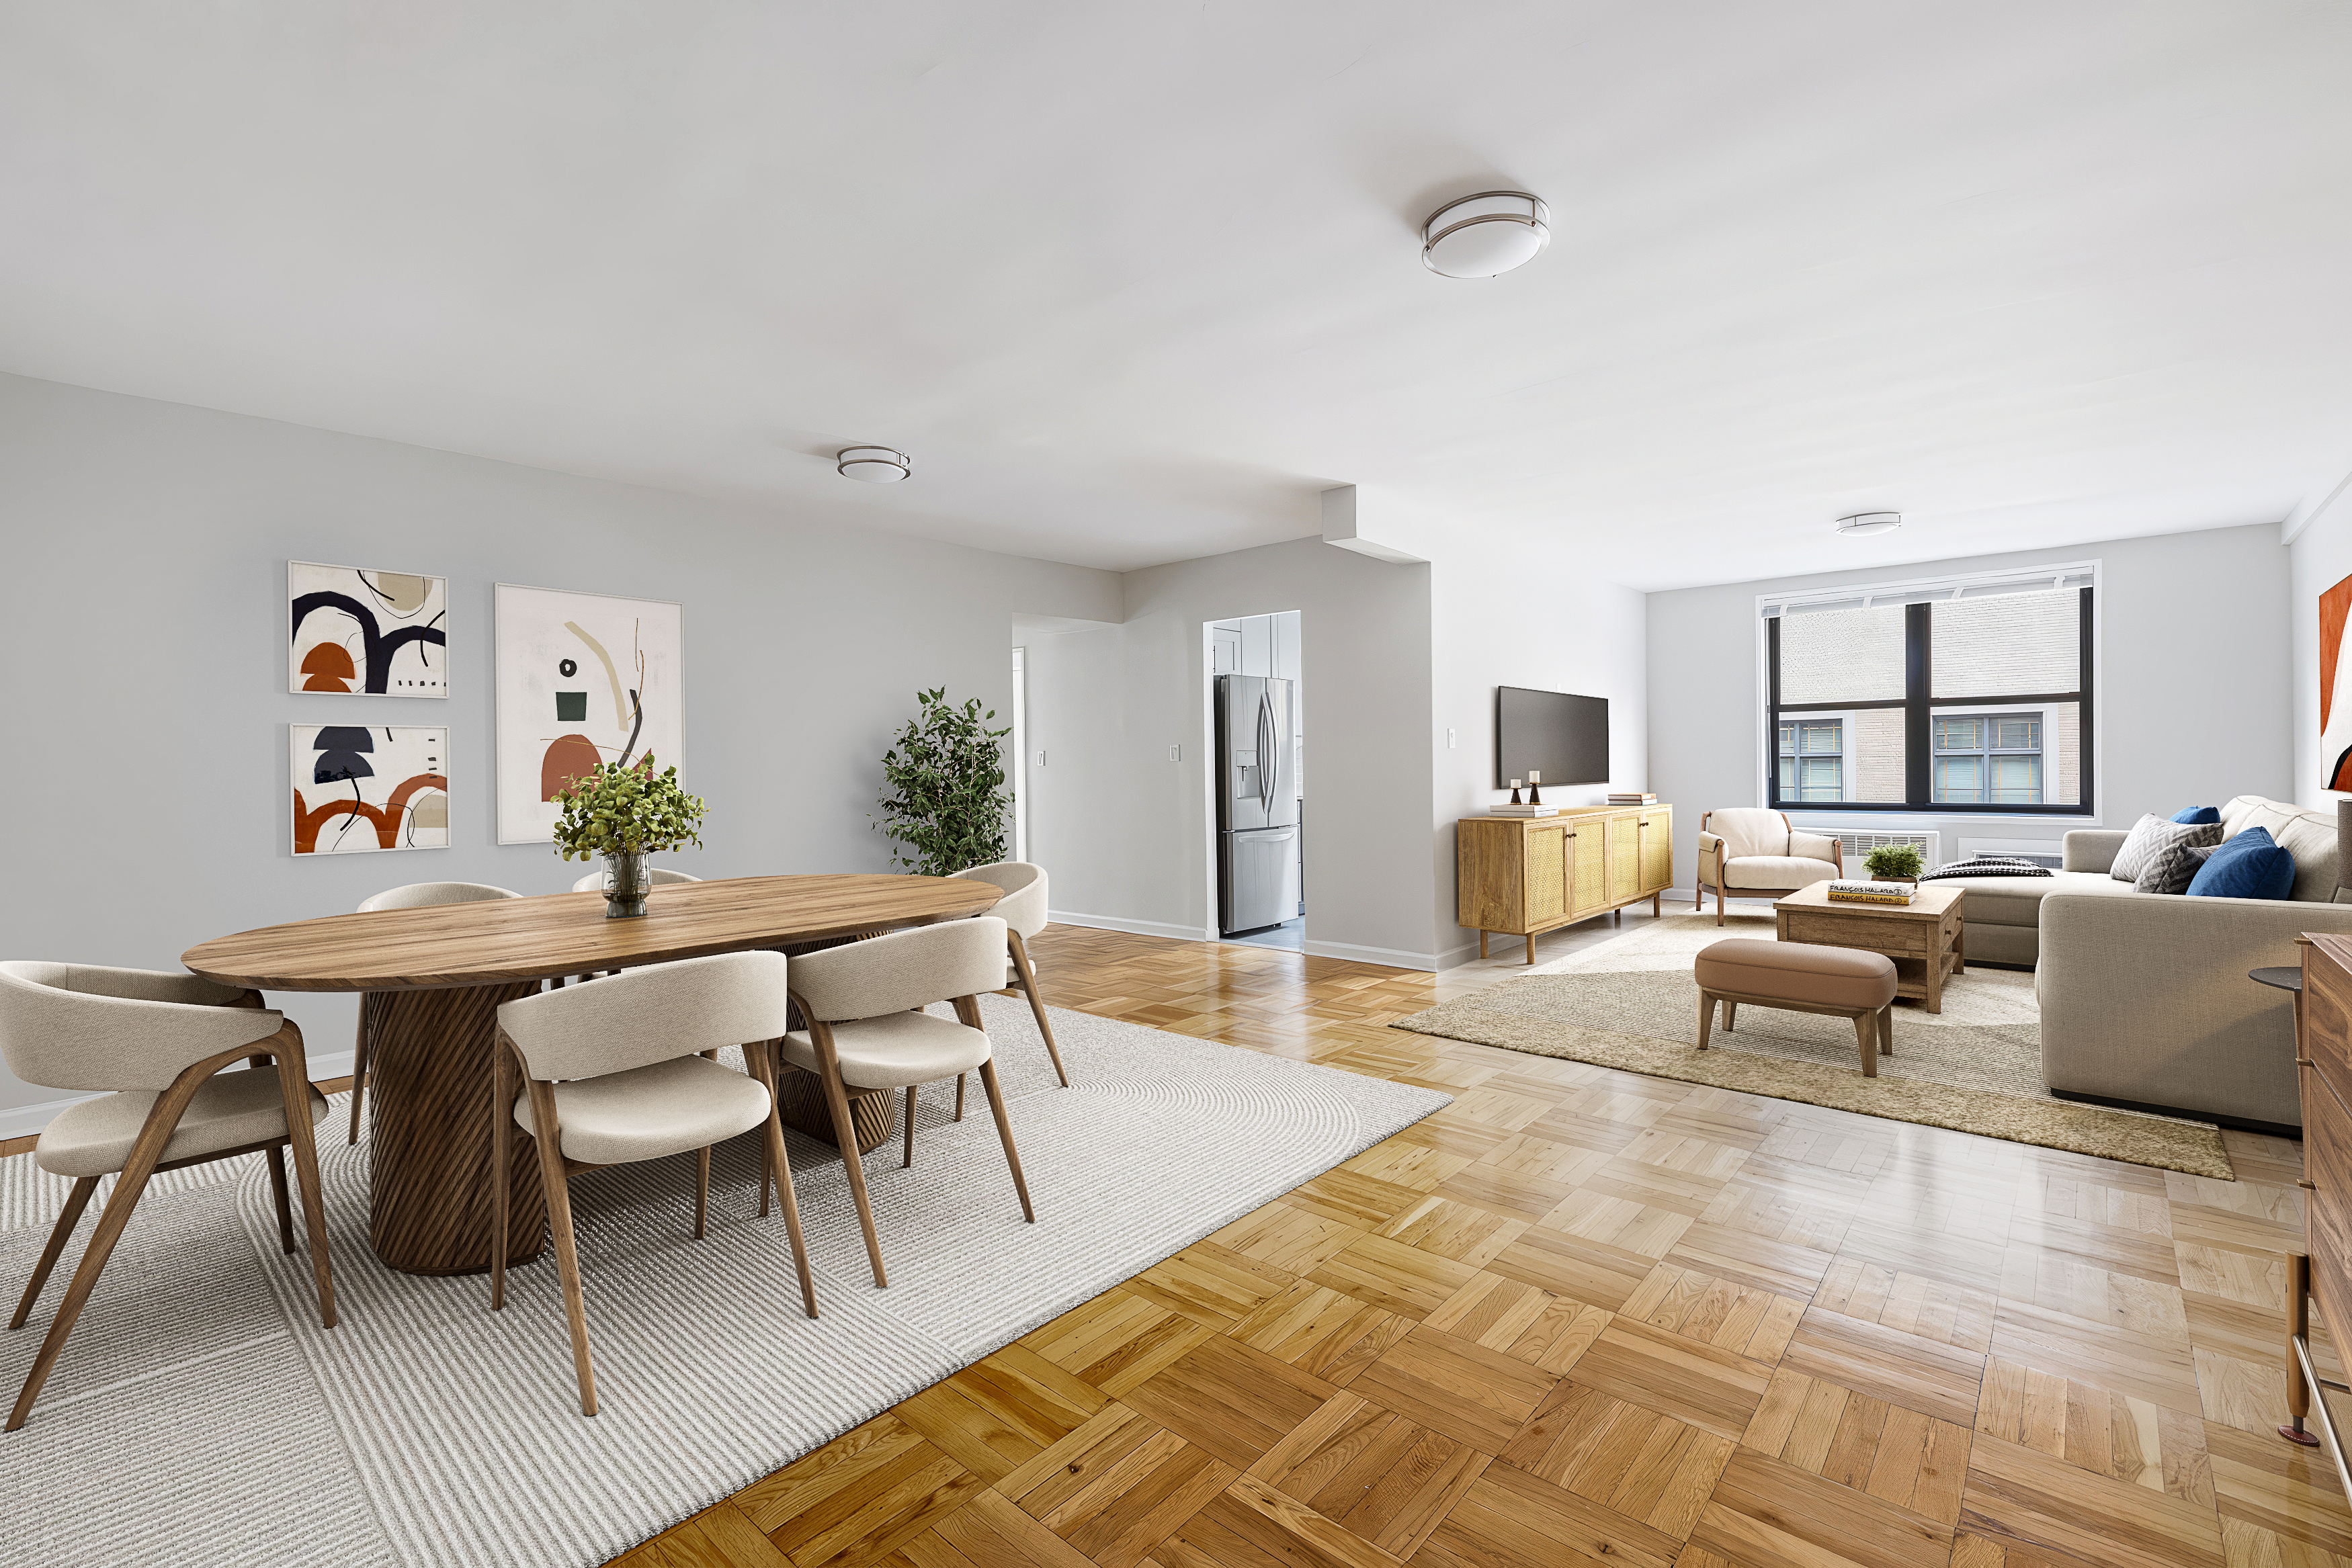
1581, 1317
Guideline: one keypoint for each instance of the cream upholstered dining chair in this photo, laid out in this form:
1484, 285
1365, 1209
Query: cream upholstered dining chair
661, 878
159, 1041
864, 1026
416, 896
1023, 910
621, 1071
1755, 853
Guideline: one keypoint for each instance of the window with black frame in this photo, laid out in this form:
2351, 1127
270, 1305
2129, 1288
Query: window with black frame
1971, 698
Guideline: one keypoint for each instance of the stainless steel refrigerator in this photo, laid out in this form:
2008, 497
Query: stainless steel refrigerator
1257, 805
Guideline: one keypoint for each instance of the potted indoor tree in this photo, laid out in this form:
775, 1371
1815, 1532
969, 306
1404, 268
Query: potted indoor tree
943, 794
625, 812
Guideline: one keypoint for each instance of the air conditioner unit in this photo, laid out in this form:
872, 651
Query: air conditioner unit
2040, 851
1858, 846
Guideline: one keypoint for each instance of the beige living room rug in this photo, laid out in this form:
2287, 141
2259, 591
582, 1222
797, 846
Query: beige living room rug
1976, 1066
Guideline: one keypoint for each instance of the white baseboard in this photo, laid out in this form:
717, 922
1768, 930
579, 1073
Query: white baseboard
1387, 957
23, 1121
1132, 927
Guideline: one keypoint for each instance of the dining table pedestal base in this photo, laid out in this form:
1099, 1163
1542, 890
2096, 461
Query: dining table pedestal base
428, 1103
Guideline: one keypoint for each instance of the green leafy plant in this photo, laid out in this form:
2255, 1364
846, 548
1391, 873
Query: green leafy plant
626, 811
943, 794
1888, 862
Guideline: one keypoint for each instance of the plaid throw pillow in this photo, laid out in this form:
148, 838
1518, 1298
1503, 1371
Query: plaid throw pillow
2151, 834
1987, 865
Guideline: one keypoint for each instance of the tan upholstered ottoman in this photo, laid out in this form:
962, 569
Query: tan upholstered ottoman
1843, 982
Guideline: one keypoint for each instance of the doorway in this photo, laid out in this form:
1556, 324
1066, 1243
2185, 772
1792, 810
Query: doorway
1258, 848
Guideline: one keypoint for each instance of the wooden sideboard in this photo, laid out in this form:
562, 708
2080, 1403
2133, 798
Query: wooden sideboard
1523, 875
2322, 1035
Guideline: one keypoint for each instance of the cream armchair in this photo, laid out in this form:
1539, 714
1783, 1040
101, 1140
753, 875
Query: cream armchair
1756, 853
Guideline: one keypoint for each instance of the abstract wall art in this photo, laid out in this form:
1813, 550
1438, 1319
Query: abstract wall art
359, 788
2335, 729
375, 633
583, 678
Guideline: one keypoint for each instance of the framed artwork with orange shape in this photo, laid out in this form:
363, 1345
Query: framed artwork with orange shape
2335, 724
362, 632
358, 788
583, 678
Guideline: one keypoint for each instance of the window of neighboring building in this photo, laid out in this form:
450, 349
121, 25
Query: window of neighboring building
1812, 759
1969, 693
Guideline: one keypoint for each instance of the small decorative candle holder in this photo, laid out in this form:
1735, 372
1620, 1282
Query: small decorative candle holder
1535, 787
1515, 792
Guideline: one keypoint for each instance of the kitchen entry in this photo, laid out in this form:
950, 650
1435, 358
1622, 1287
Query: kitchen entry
1258, 778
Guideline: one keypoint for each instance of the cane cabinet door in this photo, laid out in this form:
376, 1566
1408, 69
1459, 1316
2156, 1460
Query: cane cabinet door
1657, 847
1547, 875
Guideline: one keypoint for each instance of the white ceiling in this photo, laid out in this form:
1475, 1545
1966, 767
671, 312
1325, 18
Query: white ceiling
1132, 282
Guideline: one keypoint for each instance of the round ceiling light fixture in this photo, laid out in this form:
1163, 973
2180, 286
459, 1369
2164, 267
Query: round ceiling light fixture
1484, 235
873, 464
1862, 525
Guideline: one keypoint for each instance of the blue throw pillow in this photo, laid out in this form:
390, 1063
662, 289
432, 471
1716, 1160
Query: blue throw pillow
2198, 814
2250, 865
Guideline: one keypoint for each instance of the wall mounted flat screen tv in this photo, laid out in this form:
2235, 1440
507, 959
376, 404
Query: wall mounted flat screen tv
1563, 737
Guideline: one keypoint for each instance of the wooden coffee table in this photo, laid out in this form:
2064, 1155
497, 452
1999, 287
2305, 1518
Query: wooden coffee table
1927, 937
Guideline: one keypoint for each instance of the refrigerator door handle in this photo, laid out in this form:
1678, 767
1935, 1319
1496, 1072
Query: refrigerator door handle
1267, 762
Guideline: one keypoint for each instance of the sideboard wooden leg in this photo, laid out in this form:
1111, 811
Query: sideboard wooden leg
2298, 1326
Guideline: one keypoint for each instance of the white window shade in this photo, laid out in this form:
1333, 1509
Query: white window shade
1930, 590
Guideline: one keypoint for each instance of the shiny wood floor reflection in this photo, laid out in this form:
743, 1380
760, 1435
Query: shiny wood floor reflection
1585, 1317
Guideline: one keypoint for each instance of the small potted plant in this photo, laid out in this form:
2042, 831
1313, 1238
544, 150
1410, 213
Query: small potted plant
1893, 863
625, 812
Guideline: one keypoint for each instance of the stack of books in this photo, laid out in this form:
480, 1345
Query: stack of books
1869, 892
1630, 798
1523, 810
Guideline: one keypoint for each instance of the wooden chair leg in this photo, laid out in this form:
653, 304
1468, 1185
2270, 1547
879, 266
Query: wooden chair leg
278, 1193
163, 1116
772, 1157
1730, 1014
294, 1088
1719, 912
502, 1099
76, 1201
548, 1135
1866, 1034
1886, 1030
359, 1069
1706, 1018
960, 1078
1036, 1005
701, 1191
836, 1097
909, 1162
1004, 1136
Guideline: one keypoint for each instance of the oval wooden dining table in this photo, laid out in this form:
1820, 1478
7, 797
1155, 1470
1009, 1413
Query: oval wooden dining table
433, 979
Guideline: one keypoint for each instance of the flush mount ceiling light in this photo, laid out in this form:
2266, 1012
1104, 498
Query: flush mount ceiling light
1862, 525
873, 464
1484, 235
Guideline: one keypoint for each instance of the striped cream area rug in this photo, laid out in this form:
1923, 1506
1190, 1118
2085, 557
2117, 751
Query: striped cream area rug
200, 1416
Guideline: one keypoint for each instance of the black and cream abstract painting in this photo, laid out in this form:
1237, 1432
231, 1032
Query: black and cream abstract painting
367, 633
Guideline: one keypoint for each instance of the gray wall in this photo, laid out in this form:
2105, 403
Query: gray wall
2193, 671
147, 790
1126, 833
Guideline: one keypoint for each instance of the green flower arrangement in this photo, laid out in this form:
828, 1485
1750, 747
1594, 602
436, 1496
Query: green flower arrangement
1889, 861
627, 809
943, 791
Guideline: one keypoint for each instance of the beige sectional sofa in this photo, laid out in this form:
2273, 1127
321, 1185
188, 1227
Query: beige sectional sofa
2145, 998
